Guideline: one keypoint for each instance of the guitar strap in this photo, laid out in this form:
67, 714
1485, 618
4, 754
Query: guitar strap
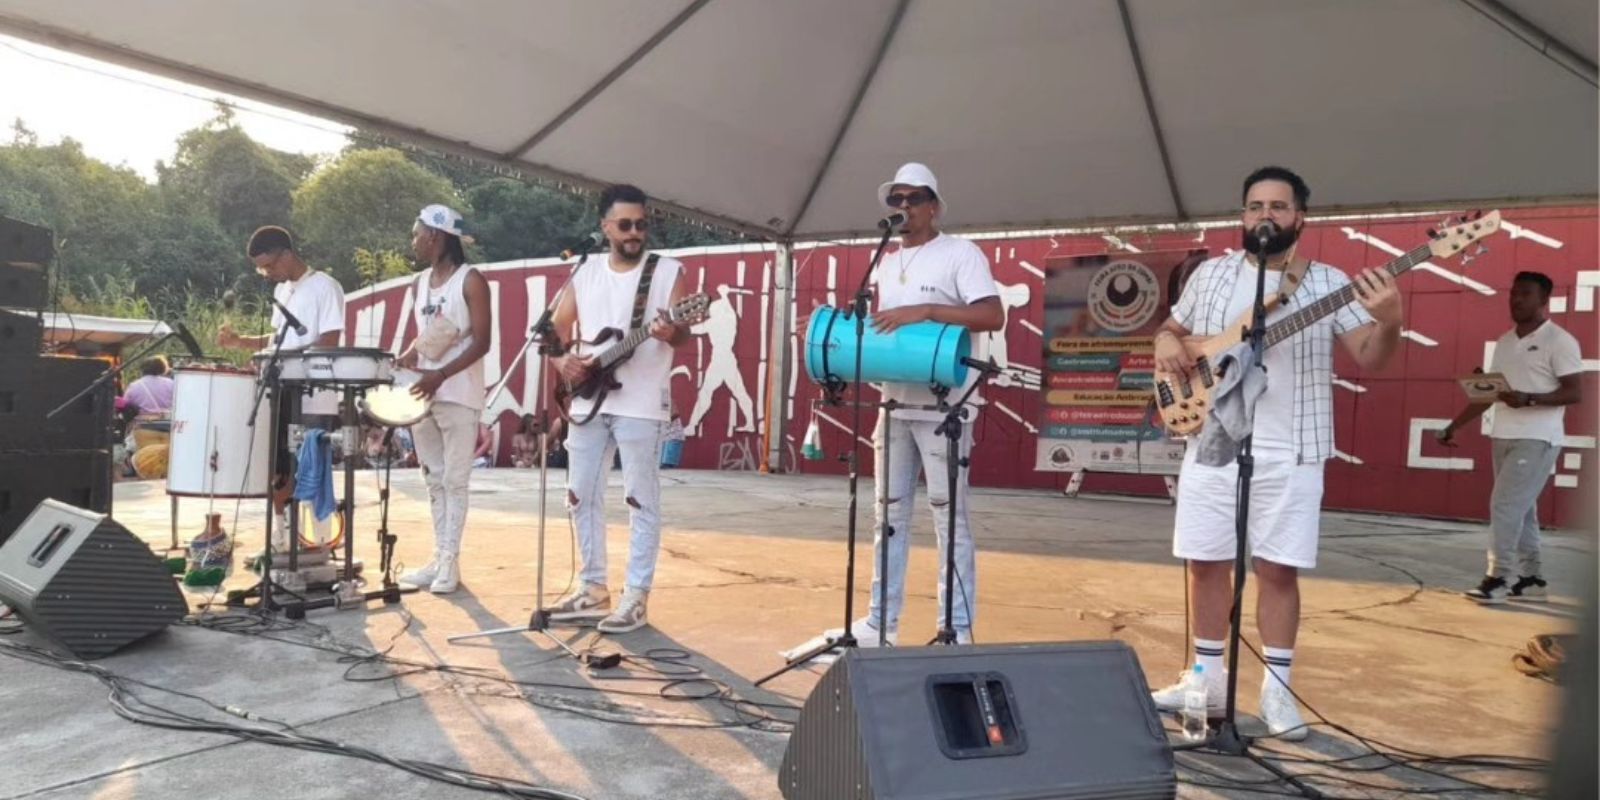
1293, 276
641, 299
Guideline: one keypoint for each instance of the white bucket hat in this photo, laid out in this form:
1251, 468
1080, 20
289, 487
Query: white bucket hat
912, 174
444, 218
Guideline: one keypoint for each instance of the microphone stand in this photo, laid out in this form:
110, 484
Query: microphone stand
847, 639
543, 333
952, 428
1227, 739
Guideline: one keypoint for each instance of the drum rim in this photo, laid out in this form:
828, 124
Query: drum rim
365, 407
346, 351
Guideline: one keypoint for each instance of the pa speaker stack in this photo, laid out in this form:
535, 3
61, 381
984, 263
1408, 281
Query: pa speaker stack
1034, 721
66, 457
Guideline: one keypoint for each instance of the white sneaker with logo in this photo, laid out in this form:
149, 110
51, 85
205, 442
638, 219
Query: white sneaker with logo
424, 575
449, 577
586, 603
1281, 713
630, 616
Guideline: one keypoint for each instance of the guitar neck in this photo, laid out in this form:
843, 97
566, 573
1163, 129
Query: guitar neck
629, 343
1322, 307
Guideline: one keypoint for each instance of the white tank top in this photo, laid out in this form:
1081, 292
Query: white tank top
450, 301
605, 300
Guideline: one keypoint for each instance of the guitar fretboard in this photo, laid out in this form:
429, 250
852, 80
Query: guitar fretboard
635, 338
1327, 304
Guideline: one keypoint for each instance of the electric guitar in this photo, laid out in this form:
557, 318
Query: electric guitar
1184, 401
602, 379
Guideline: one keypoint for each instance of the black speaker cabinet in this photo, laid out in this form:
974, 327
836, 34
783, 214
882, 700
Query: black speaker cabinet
80, 478
21, 243
1027, 721
21, 333
84, 581
32, 386
23, 286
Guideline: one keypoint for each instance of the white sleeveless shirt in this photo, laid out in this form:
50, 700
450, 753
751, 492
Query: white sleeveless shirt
450, 301
605, 300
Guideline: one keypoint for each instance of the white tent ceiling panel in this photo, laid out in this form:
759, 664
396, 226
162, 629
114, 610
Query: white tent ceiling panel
1032, 112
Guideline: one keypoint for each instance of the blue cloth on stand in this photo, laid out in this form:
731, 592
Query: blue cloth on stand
313, 478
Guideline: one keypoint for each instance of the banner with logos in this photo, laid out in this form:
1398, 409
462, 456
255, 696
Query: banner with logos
1100, 314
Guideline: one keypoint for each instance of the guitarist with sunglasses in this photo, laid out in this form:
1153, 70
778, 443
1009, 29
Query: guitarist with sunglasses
1292, 437
608, 294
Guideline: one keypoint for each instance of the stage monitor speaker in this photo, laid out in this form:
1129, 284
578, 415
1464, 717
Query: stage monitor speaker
77, 477
21, 243
82, 580
32, 386
1035, 721
20, 332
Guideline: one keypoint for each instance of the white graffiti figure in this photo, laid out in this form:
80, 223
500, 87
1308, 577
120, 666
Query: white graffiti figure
721, 328
1012, 295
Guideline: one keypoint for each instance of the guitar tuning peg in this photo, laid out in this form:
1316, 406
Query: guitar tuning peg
1433, 233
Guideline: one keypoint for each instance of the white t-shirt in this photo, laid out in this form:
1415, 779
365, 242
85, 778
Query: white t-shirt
947, 271
466, 387
1274, 426
317, 300
1534, 363
605, 300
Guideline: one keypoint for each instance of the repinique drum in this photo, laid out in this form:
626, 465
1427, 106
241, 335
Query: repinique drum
922, 352
339, 367
214, 450
291, 364
394, 406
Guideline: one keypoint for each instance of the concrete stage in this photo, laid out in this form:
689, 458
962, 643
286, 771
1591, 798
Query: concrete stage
751, 565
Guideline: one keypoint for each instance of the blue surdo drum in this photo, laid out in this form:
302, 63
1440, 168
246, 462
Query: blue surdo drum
922, 352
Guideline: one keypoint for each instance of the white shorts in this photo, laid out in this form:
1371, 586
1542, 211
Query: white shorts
1285, 508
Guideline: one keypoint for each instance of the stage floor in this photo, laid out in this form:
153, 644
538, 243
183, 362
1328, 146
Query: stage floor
751, 565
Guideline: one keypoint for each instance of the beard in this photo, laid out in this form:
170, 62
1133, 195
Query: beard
1280, 241
630, 250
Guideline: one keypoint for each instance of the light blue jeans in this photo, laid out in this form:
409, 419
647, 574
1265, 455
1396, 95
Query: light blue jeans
914, 447
589, 452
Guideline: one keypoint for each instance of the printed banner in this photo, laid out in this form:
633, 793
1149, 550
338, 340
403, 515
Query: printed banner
1100, 315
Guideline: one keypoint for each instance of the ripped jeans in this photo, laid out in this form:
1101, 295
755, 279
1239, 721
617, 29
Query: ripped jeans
914, 447
589, 451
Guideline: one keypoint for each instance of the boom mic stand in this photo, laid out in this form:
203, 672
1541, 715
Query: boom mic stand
953, 430
543, 333
1227, 739
847, 639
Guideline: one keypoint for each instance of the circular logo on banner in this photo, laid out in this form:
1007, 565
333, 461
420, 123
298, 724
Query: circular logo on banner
1123, 296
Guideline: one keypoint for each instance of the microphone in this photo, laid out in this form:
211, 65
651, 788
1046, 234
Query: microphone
1264, 230
290, 319
894, 220
182, 332
987, 367
584, 245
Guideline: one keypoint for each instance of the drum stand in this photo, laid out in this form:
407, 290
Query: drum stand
544, 334
347, 592
834, 389
953, 430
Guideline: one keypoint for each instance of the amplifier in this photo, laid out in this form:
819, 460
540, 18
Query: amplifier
32, 386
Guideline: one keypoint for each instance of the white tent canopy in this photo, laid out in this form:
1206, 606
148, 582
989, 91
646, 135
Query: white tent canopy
781, 118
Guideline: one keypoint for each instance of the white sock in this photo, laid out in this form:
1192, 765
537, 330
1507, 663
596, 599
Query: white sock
1208, 654
1279, 660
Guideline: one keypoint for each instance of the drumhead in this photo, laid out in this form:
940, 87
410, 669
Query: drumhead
376, 353
393, 405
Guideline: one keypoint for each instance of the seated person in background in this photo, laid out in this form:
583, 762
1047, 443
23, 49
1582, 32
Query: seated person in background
483, 454
151, 394
525, 444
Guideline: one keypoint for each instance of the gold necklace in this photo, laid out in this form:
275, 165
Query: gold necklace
905, 265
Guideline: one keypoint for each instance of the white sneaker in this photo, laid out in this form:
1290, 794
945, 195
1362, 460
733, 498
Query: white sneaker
449, 576
630, 616
587, 602
1281, 713
423, 576
1170, 699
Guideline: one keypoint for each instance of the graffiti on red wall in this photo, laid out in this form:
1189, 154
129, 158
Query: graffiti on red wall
1386, 459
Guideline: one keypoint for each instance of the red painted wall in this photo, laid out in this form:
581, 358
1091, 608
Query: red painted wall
1450, 314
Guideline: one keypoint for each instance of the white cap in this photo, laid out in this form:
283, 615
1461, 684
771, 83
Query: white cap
444, 218
912, 174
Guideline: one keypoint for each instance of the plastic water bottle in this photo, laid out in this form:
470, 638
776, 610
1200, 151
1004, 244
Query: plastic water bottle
1194, 706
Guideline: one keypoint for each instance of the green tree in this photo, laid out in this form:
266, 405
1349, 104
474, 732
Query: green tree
220, 170
364, 200
512, 219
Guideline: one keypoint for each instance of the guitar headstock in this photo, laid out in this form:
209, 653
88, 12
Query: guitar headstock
1453, 239
691, 310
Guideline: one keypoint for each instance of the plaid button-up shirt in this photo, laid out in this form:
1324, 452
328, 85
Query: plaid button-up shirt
1202, 308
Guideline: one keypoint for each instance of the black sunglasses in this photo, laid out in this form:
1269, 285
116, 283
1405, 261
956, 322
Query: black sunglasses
912, 199
629, 225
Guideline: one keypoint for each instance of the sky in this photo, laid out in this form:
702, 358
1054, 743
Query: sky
132, 118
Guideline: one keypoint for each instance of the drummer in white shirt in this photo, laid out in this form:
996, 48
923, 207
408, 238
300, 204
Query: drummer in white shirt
315, 299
